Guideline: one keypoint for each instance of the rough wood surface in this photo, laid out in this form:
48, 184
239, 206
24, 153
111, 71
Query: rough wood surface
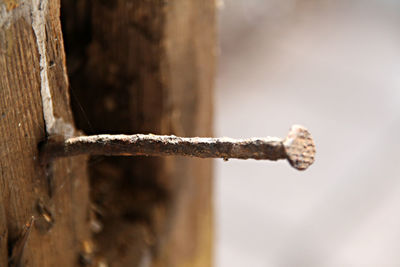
146, 67
31, 62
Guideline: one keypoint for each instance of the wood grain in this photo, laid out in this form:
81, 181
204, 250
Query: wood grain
63, 189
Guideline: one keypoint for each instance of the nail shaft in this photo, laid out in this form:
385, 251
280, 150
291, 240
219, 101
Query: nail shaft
269, 148
166, 145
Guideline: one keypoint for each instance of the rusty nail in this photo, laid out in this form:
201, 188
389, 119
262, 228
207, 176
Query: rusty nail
298, 147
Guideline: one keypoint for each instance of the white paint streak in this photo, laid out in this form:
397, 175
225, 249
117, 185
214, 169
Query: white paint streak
34, 12
53, 125
39, 9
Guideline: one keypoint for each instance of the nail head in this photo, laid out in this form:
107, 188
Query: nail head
300, 148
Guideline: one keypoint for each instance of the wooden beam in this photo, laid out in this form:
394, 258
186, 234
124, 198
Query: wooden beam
34, 87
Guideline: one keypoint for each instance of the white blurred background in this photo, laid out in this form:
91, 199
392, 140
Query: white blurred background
334, 67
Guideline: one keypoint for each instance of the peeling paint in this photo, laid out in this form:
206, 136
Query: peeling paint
39, 9
53, 125
34, 13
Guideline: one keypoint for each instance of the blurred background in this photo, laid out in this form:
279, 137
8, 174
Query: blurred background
332, 66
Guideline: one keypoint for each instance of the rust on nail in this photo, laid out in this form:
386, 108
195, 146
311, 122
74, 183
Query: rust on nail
298, 148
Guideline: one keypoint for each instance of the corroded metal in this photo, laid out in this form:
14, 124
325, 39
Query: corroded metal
298, 148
